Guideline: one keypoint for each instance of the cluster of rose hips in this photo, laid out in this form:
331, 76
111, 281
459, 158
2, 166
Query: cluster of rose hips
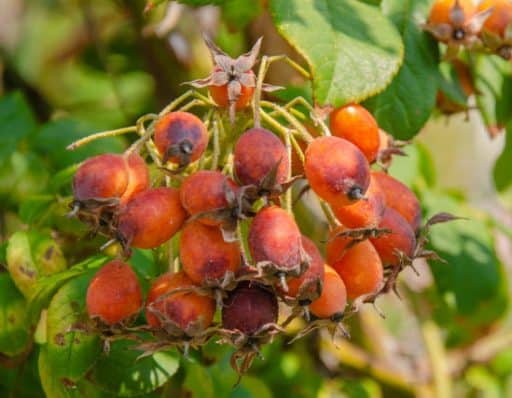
486, 27
375, 222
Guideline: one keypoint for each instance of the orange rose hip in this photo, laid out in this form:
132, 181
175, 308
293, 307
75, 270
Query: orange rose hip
336, 170
333, 299
360, 267
355, 124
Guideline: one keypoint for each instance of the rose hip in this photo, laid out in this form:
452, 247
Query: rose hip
307, 287
189, 311
205, 191
367, 212
333, 299
336, 170
400, 239
180, 137
275, 237
400, 198
355, 124
248, 308
110, 176
205, 255
360, 267
151, 218
256, 153
114, 293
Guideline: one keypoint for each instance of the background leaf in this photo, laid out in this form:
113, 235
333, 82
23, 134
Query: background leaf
471, 285
14, 331
406, 104
122, 374
16, 121
502, 169
493, 81
70, 353
328, 34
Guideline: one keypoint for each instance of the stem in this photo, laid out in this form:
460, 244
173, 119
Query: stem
274, 123
191, 104
298, 149
438, 363
331, 218
145, 134
216, 146
305, 74
228, 167
257, 94
312, 113
240, 239
176, 102
353, 357
103, 134
291, 119
288, 194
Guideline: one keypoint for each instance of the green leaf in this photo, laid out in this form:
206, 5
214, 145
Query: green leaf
122, 374
501, 172
62, 180
21, 175
14, 331
238, 13
471, 285
16, 123
416, 168
493, 82
46, 287
70, 353
198, 382
450, 84
22, 381
251, 387
353, 51
407, 103
33, 209
53, 138
56, 387
145, 267
31, 255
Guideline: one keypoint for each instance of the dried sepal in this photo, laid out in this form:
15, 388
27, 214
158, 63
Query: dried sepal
333, 324
247, 346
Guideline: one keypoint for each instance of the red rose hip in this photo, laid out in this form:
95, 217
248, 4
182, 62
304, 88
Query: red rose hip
248, 308
205, 191
365, 213
256, 153
205, 255
151, 218
114, 293
400, 198
275, 237
189, 311
180, 137
308, 286
400, 239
